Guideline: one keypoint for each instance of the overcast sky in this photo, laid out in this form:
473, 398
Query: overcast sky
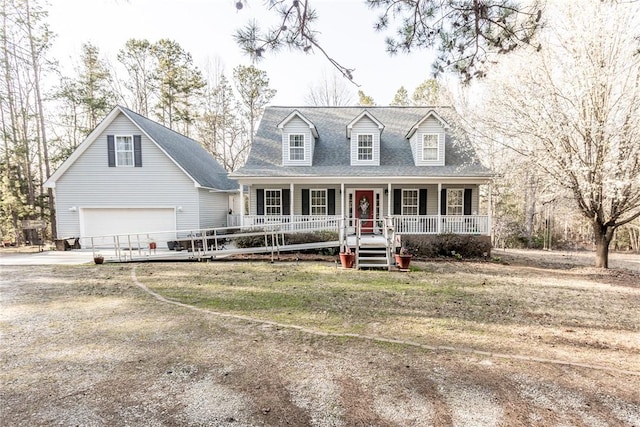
205, 29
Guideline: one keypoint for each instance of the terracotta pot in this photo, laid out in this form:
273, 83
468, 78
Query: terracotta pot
152, 245
98, 260
347, 260
402, 261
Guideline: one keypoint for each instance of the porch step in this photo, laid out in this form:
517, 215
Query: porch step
373, 257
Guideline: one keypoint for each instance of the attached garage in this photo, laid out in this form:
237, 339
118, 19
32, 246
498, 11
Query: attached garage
125, 221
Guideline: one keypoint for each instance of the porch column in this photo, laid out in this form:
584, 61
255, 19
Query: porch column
343, 224
489, 210
389, 193
291, 204
439, 208
342, 200
241, 196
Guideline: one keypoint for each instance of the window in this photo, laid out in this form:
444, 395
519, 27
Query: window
124, 150
365, 147
273, 202
430, 146
318, 202
455, 201
296, 146
410, 202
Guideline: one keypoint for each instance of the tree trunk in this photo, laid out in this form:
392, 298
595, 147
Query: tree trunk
603, 236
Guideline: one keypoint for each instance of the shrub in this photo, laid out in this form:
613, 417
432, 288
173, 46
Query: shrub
448, 245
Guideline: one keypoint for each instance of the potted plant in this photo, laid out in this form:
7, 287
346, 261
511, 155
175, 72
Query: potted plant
403, 258
98, 258
347, 258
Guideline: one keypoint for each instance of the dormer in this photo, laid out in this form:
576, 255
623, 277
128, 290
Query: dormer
299, 136
427, 138
364, 134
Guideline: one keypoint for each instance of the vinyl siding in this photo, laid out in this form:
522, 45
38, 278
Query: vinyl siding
297, 126
214, 207
430, 126
90, 182
365, 126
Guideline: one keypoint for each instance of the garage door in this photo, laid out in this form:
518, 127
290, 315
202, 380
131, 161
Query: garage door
102, 222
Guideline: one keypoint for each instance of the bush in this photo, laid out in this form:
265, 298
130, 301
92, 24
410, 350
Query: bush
448, 245
289, 238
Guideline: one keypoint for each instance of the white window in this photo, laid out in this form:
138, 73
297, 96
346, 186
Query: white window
430, 146
365, 147
273, 202
455, 201
124, 150
318, 202
296, 146
409, 202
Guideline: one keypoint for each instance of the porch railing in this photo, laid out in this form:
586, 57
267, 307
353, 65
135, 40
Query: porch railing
438, 224
403, 224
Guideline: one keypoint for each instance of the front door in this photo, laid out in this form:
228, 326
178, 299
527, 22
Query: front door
364, 209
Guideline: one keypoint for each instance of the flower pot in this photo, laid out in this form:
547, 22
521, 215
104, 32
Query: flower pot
98, 259
402, 261
347, 259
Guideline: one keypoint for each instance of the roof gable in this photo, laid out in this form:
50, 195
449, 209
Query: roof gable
296, 113
359, 117
186, 153
431, 113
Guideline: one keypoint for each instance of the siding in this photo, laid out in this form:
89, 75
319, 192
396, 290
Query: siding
297, 126
297, 196
89, 182
214, 207
365, 126
429, 126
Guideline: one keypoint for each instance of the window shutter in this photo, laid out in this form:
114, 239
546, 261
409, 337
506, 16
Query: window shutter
111, 151
331, 201
305, 201
397, 201
443, 202
286, 201
422, 201
468, 194
259, 201
137, 151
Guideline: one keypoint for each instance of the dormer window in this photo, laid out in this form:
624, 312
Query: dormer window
296, 147
430, 142
365, 147
124, 150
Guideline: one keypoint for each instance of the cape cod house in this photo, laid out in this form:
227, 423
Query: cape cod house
133, 175
400, 163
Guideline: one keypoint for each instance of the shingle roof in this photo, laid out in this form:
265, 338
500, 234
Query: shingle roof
332, 156
186, 152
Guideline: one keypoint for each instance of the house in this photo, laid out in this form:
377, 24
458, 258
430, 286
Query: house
133, 175
408, 164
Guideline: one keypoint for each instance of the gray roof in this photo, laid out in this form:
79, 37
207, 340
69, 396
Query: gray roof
331, 157
186, 152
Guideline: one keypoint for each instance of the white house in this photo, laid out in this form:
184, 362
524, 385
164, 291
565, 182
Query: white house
368, 163
133, 175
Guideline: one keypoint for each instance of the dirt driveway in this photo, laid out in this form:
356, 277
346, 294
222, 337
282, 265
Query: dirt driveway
86, 345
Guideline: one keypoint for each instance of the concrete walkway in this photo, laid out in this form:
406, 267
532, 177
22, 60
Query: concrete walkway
75, 257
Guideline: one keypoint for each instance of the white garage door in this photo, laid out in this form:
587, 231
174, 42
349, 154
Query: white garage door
124, 221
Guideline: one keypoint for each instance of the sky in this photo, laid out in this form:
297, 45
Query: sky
205, 29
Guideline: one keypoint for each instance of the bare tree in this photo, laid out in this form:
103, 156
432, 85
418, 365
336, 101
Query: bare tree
329, 91
572, 110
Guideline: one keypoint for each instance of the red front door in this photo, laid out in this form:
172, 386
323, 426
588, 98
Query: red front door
364, 209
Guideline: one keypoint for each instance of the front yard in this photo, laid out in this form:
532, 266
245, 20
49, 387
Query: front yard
307, 343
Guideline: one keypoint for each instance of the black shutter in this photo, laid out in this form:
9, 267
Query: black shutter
468, 194
286, 201
443, 202
137, 151
111, 151
422, 201
305, 201
259, 201
331, 201
397, 201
